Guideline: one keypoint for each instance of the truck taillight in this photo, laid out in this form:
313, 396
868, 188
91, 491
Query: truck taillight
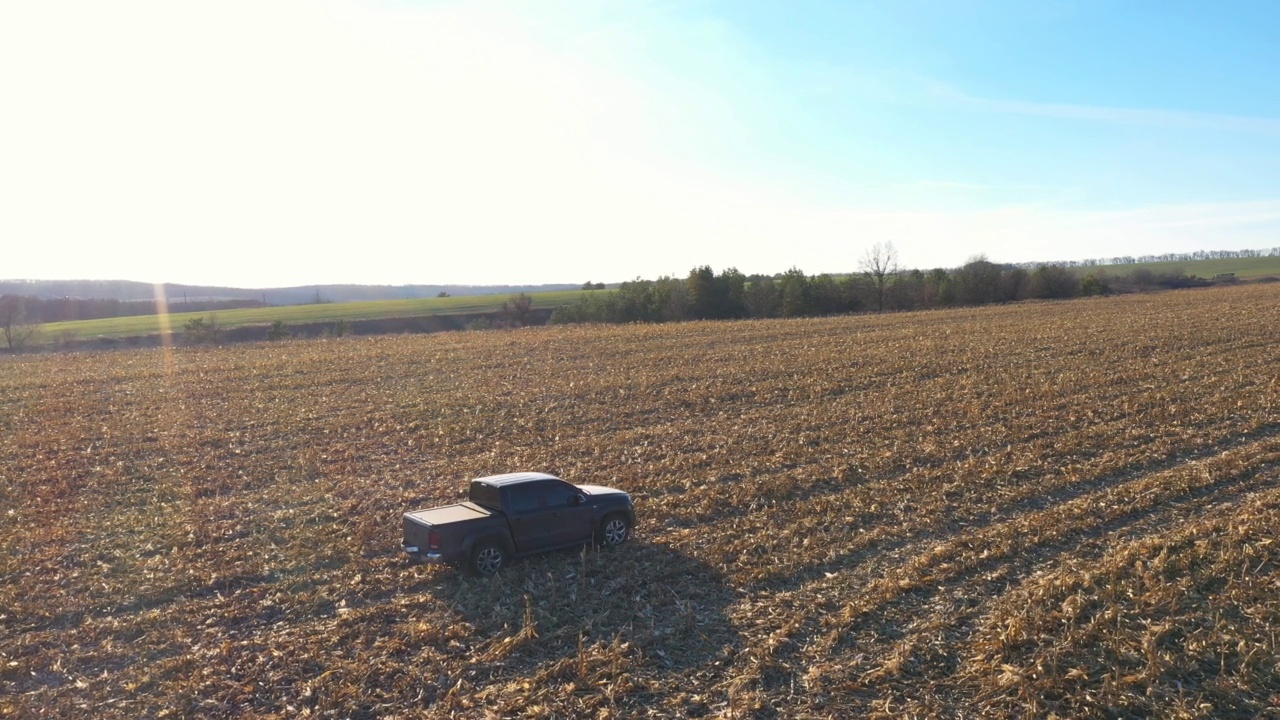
433, 540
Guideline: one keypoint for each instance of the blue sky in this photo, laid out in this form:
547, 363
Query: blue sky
290, 142
1083, 104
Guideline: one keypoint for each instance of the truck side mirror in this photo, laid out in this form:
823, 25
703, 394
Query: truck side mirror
577, 499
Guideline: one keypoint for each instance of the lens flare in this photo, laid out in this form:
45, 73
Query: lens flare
162, 317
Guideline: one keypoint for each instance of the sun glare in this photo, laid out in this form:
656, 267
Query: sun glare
162, 318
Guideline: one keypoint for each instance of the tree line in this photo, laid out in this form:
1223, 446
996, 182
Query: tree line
880, 286
1164, 258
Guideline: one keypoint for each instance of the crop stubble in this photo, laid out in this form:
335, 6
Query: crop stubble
1041, 508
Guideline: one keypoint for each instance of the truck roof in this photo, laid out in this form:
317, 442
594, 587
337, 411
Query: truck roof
513, 478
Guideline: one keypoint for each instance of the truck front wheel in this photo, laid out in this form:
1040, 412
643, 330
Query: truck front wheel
614, 530
487, 559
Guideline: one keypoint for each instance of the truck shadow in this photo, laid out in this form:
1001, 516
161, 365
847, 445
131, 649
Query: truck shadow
644, 605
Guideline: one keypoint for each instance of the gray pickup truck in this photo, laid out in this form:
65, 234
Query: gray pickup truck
517, 514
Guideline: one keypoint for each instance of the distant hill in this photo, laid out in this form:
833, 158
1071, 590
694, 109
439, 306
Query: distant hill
126, 290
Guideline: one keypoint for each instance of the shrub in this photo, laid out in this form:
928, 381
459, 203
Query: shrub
278, 331
201, 331
1095, 284
586, 310
517, 310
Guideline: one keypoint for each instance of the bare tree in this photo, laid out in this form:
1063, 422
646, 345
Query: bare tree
518, 309
13, 323
880, 265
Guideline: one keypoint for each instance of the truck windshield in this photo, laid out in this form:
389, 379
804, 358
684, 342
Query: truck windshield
486, 495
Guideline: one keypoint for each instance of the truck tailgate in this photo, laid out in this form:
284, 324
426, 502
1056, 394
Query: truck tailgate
438, 534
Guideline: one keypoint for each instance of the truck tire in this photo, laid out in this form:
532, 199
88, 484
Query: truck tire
614, 530
487, 558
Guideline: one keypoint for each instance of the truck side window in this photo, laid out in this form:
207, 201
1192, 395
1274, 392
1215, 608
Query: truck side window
526, 499
559, 495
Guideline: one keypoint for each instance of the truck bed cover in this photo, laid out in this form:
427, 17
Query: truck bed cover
449, 514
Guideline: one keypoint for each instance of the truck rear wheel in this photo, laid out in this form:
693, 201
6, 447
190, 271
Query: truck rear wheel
487, 559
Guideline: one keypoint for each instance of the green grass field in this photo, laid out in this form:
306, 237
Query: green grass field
140, 325
1243, 268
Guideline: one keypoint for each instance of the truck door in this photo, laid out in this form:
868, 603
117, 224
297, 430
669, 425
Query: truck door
573, 517
532, 522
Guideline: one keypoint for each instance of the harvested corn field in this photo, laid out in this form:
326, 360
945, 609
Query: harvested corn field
1068, 508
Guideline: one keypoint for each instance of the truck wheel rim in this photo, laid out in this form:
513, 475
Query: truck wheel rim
489, 560
615, 532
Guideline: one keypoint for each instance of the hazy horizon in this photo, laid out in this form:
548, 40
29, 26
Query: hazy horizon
296, 143
1100, 262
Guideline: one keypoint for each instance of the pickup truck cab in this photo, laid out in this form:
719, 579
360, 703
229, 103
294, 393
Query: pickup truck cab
517, 514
